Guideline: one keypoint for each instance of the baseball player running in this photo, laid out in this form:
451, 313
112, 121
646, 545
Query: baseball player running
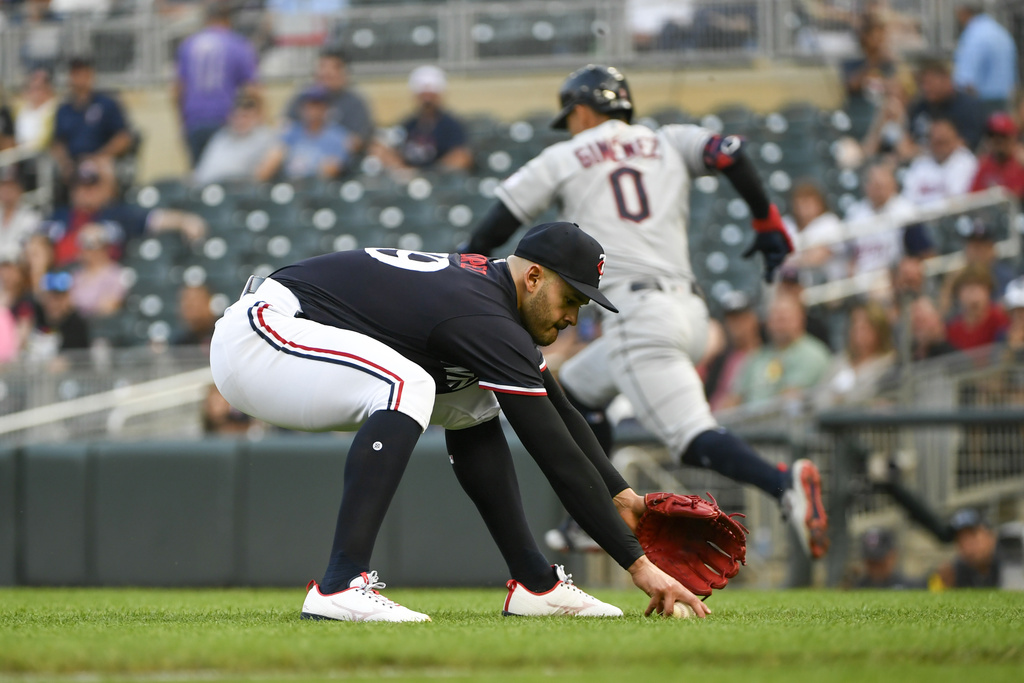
387, 341
629, 186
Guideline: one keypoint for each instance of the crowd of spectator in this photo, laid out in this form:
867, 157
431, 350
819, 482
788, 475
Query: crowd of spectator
62, 269
953, 130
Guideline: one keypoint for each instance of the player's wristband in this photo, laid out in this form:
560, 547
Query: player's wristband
773, 221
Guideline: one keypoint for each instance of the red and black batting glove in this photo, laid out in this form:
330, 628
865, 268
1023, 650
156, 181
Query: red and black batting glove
772, 240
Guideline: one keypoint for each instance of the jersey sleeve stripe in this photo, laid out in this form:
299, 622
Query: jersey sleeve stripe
506, 389
259, 324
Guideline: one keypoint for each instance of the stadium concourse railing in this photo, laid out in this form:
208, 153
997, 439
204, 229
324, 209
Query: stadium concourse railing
103, 393
997, 205
134, 45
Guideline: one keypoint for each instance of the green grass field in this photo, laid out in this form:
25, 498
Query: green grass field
221, 635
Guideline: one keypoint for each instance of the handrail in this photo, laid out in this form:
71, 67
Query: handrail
936, 265
772, 35
974, 417
137, 399
16, 154
42, 196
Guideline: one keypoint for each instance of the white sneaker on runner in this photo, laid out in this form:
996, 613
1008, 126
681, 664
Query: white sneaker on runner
359, 602
803, 509
569, 537
564, 598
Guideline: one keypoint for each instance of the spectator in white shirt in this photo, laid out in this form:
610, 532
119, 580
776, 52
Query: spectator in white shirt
821, 256
881, 250
94, 7
946, 170
17, 221
34, 115
236, 150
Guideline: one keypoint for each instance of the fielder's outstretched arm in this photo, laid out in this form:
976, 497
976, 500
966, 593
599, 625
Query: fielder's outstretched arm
583, 435
575, 479
494, 229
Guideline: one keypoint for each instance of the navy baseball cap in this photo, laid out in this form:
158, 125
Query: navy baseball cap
576, 256
967, 518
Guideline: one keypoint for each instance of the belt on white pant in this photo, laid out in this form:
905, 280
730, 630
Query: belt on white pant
639, 285
252, 284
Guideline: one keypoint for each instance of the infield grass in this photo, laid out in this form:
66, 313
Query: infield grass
237, 634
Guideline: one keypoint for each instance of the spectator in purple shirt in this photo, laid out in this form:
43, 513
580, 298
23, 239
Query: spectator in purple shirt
212, 65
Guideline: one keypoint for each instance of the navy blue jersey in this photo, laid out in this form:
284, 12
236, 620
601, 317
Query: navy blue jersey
455, 315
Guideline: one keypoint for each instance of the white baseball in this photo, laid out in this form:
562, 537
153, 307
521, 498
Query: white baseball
683, 611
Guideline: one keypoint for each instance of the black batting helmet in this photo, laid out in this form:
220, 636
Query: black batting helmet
601, 88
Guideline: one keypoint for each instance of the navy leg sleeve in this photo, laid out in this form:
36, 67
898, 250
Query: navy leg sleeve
723, 452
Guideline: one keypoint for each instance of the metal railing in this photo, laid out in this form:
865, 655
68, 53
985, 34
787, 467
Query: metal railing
104, 393
866, 282
42, 195
135, 48
980, 472
951, 426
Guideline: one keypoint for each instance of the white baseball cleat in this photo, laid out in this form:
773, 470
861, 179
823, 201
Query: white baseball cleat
564, 598
802, 507
359, 602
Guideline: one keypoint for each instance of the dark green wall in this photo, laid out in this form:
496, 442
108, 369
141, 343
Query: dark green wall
227, 512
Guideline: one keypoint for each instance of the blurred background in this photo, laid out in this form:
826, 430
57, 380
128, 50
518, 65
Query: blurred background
154, 154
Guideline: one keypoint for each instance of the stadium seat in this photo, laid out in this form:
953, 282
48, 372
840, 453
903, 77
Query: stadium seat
737, 119
156, 194
670, 115
259, 215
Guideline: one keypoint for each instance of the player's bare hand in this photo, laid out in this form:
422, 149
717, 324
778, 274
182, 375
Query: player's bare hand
630, 507
665, 591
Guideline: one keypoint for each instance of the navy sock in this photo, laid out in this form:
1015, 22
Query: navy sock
723, 452
597, 420
373, 469
483, 465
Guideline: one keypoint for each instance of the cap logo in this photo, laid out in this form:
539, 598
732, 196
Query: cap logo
600, 270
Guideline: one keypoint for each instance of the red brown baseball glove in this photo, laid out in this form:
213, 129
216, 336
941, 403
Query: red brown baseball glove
692, 540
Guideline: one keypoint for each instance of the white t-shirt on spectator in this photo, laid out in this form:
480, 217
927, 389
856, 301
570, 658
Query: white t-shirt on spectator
881, 249
90, 6
15, 229
34, 126
928, 181
825, 230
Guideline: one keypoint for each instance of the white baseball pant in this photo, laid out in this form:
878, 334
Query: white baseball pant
300, 374
646, 353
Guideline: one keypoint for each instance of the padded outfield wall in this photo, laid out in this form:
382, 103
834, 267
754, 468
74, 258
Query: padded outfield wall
235, 512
